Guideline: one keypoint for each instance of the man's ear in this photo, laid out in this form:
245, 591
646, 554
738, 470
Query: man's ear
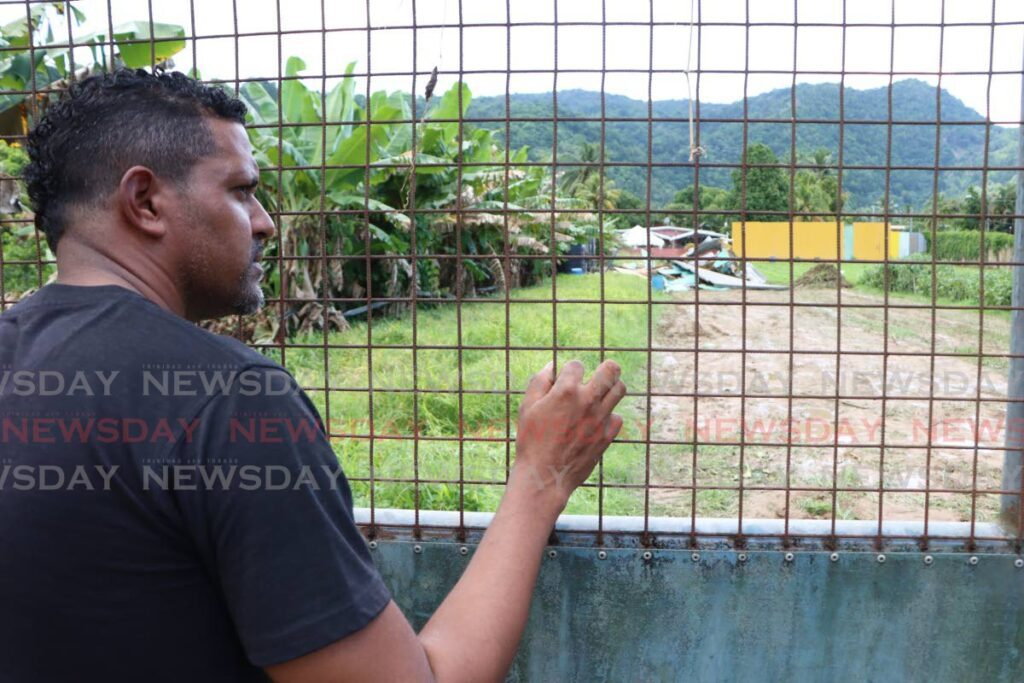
139, 200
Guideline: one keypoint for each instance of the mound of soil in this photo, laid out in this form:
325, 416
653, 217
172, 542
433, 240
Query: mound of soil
822, 275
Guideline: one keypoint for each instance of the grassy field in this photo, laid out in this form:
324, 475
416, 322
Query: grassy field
499, 355
398, 413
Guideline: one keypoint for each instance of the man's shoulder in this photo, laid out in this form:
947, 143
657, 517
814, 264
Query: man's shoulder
185, 342
126, 329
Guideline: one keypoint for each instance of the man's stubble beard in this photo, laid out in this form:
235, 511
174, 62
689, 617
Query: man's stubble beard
250, 295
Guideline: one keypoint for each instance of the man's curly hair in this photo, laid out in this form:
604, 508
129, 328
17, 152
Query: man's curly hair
105, 124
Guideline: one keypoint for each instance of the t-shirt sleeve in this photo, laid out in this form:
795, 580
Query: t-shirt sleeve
271, 514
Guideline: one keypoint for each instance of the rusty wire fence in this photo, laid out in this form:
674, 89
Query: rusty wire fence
790, 223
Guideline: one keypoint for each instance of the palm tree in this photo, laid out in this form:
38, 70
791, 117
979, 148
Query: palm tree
589, 156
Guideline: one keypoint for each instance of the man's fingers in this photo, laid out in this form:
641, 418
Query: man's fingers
570, 376
612, 398
540, 384
612, 427
604, 379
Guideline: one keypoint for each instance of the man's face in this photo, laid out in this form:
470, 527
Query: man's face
225, 228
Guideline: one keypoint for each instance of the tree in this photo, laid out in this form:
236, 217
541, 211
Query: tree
589, 154
1002, 206
944, 206
709, 200
1000, 203
810, 195
817, 189
629, 202
767, 188
971, 206
594, 196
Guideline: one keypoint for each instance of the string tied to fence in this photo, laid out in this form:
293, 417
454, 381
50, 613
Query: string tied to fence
695, 150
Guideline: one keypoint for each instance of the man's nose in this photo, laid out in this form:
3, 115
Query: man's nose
263, 224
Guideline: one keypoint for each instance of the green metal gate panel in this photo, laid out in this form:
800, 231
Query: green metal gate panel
725, 615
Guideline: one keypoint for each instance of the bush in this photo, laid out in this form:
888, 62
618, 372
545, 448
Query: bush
20, 245
965, 245
955, 283
18, 238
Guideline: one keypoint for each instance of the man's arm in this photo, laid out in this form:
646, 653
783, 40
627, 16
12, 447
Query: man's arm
564, 427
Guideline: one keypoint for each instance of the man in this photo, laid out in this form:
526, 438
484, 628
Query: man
125, 550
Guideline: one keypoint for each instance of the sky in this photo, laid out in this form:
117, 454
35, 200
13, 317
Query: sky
388, 47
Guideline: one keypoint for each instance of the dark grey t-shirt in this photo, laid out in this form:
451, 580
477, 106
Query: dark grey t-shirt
170, 508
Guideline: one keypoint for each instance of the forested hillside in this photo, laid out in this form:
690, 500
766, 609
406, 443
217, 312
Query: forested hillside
863, 143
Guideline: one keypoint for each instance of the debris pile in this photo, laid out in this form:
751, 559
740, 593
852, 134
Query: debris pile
823, 275
678, 260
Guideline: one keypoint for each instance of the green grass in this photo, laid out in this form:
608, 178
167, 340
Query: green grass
777, 272
397, 455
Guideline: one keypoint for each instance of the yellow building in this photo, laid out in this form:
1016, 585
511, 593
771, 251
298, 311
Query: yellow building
764, 239
827, 240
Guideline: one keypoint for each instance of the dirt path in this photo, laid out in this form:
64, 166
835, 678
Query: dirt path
835, 441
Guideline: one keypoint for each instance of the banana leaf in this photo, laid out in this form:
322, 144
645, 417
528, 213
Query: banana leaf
135, 54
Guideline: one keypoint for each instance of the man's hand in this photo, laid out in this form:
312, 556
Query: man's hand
564, 428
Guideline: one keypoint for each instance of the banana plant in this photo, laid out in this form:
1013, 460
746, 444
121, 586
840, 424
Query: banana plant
347, 174
460, 174
35, 54
317, 152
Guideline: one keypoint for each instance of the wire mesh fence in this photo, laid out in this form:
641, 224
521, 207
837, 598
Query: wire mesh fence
792, 224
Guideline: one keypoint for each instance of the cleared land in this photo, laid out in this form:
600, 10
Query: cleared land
832, 442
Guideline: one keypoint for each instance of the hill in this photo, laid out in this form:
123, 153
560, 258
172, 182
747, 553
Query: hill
864, 144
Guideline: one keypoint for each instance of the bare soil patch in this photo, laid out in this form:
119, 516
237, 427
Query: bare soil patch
757, 384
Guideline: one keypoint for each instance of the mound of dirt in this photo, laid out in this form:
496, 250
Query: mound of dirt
822, 275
